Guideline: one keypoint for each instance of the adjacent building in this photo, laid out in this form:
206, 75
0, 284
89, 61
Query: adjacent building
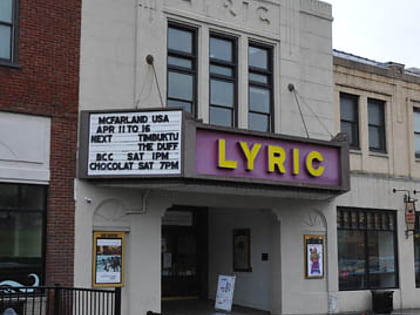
39, 71
378, 246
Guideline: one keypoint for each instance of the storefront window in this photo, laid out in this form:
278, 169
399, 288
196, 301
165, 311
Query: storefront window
22, 217
417, 250
367, 256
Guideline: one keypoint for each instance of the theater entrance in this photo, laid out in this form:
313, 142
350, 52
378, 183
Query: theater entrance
184, 257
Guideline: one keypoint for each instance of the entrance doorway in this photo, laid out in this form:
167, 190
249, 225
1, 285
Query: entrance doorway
184, 253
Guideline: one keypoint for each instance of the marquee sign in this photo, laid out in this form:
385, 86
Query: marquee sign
169, 142
134, 143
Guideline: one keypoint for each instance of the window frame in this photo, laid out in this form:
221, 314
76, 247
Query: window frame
342, 226
381, 128
231, 79
269, 86
43, 214
13, 45
193, 57
416, 111
355, 144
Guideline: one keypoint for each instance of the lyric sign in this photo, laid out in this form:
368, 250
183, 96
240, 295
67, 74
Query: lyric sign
135, 143
234, 155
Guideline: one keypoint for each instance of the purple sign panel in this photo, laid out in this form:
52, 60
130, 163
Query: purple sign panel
223, 154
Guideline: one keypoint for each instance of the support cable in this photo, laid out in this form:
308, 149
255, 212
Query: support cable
291, 88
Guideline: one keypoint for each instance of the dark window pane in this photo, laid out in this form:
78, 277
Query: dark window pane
185, 105
417, 252
258, 122
348, 129
260, 78
417, 144
221, 49
33, 197
180, 62
180, 86
376, 113
5, 41
9, 195
381, 259
6, 10
180, 40
226, 71
221, 93
20, 234
376, 138
347, 109
258, 57
259, 99
351, 260
417, 121
221, 116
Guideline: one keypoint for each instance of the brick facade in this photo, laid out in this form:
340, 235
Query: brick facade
45, 82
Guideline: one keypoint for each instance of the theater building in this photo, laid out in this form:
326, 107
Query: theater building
38, 134
207, 148
209, 145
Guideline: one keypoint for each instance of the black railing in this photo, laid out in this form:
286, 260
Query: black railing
59, 301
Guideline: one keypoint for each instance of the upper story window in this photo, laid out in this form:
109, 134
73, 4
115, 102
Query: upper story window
376, 118
182, 68
416, 128
349, 118
8, 26
223, 81
367, 249
260, 95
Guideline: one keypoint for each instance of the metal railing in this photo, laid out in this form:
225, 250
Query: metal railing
59, 301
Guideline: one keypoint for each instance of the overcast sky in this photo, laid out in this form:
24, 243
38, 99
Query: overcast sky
382, 30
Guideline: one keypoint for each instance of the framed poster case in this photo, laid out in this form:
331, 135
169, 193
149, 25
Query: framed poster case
314, 256
242, 250
108, 259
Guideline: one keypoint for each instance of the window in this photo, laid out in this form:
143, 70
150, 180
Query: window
349, 118
367, 255
181, 91
416, 128
260, 88
376, 116
417, 250
22, 220
223, 81
8, 24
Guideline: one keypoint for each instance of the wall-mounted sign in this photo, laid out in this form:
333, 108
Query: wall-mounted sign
234, 155
108, 259
314, 256
410, 215
134, 143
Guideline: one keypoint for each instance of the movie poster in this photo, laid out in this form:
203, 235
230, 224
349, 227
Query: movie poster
108, 259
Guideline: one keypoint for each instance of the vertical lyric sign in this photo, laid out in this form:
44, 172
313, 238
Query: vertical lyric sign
108, 259
135, 143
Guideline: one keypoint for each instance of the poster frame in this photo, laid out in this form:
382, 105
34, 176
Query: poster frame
242, 250
101, 235
314, 241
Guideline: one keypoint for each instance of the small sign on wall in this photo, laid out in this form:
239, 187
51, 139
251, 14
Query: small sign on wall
314, 256
108, 259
